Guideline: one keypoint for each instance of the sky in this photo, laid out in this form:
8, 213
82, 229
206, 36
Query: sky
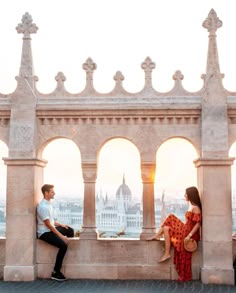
117, 35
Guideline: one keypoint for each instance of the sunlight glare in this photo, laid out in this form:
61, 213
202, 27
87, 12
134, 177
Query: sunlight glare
175, 170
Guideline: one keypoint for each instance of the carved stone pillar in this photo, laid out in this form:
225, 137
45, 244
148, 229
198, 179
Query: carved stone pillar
89, 222
214, 177
148, 176
24, 179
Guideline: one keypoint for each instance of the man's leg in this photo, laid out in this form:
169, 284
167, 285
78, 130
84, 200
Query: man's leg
68, 232
54, 240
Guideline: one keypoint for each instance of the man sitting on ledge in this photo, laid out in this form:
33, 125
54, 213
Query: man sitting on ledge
51, 231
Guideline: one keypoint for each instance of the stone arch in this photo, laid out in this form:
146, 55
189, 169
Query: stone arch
115, 137
49, 140
185, 138
68, 170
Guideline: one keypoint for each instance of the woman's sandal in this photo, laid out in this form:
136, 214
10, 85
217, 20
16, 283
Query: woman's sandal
164, 259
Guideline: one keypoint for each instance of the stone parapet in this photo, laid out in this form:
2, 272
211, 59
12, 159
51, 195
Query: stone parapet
112, 259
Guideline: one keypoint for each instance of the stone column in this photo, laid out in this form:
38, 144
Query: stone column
24, 170
215, 184
214, 169
23, 188
89, 222
148, 176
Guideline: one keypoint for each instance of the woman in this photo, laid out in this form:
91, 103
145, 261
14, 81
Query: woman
175, 231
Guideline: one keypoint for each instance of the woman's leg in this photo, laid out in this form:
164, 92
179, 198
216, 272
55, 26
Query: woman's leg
166, 254
156, 236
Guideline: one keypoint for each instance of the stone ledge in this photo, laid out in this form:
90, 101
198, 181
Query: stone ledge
112, 259
82, 261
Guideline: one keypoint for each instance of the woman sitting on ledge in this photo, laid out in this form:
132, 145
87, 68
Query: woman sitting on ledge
175, 231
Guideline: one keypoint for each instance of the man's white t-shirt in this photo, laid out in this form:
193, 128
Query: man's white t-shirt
44, 212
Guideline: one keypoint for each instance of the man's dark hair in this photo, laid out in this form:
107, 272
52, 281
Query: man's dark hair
46, 187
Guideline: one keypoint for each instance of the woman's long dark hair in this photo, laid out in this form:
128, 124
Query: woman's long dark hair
193, 196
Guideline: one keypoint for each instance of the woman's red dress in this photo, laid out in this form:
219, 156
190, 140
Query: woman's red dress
178, 231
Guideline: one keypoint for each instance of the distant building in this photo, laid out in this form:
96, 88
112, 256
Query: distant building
121, 214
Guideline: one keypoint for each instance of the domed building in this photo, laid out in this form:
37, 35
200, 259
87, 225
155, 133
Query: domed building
120, 214
123, 196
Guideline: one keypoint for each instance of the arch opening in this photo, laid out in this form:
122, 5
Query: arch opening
175, 171
119, 190
64, 171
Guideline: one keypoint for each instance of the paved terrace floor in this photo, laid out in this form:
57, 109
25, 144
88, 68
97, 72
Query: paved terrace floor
116, 286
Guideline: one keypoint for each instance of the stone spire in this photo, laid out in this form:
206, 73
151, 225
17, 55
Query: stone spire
214, 99
212, 23
26, 27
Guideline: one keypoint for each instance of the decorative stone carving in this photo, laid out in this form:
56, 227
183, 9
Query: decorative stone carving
212, 22
22, 137
27, 26
148, 66
178, 75
118, 77
148, 172
60, 78
89, 66
89, 172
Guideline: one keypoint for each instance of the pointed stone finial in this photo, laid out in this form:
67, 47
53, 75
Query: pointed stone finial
148, 66
26, 72
60, 78
89, 66
178, 76
118, 77
212, 22
27, 27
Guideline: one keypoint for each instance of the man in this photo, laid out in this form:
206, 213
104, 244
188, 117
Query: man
51, 231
